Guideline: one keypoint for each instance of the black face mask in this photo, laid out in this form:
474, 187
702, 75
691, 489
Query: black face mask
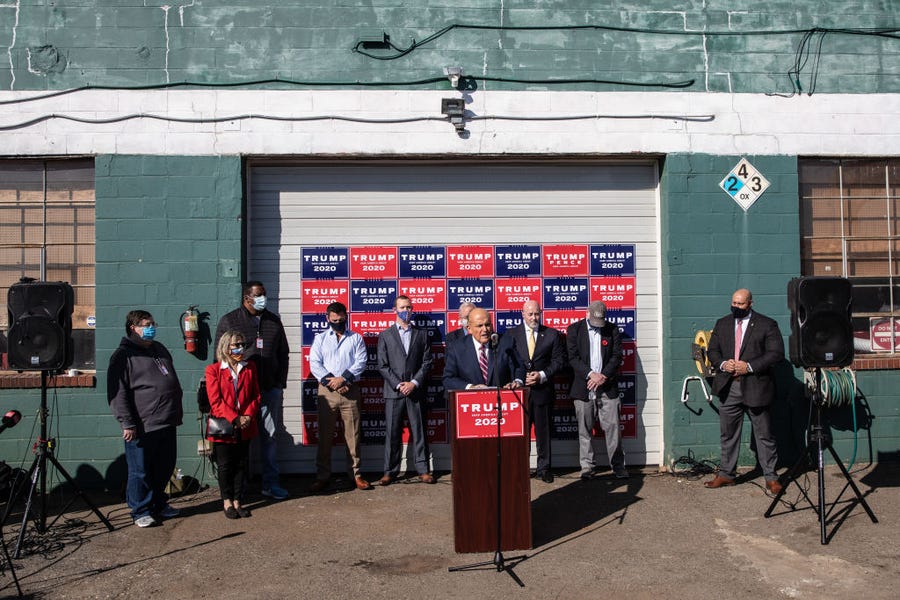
739, 313
338, 326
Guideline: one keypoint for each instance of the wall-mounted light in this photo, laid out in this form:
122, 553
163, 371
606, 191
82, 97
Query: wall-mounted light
453, 74
455, 109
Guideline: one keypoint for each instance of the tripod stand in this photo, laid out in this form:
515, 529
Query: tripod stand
500, 562
818, 440
38, 476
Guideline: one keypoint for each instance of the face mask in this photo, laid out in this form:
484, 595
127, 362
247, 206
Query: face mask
148, 333
259, 303
404, 315
339, 326
739, 313
237, 351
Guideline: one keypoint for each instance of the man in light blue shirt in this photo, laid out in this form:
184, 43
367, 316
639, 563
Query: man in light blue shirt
337, 359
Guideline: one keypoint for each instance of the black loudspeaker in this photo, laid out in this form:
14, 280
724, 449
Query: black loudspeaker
40, 332
821, 331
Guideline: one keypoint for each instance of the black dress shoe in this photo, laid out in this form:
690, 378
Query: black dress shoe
535, 474
242, 512
547, 477
231, 513
586, 475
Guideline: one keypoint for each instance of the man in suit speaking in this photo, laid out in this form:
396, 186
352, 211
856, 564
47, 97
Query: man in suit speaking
744, 347
404, 360
480, 359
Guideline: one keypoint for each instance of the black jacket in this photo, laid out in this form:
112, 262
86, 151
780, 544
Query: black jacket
142, 387
761, 346
578, 345
272, 360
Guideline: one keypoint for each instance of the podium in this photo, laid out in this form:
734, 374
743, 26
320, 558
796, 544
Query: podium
475, 471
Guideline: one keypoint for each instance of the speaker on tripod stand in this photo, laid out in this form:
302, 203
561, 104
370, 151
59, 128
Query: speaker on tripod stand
40, 339
40, 319
821, 337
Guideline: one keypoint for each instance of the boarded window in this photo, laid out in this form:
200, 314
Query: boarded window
47, 233
848, 226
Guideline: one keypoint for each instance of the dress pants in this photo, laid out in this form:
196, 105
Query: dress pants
332, 404
731, 421
232, 460
539, 417
394, 408
605, 410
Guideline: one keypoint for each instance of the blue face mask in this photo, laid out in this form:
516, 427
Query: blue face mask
237, 351
259, 303
404, 315
148, 333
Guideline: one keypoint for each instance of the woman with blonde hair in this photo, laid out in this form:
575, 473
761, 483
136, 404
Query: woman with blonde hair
233, 388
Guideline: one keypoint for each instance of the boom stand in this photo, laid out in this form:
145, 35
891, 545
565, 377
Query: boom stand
818, 440
38, 474
501, 563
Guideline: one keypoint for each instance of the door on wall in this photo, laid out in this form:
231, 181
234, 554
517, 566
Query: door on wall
363, 205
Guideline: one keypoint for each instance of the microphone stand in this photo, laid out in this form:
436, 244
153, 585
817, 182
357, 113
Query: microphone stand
499, 561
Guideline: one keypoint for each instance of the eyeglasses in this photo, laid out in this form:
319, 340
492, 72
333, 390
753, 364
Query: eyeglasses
237, 345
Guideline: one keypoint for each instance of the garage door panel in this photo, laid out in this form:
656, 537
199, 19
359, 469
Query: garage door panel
453, 202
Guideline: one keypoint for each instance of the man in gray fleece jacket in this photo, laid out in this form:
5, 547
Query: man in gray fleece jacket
145, 397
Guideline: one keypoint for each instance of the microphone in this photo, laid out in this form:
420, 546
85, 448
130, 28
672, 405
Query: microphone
10, 419
495, 339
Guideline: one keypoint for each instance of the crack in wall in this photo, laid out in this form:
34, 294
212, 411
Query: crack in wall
12, 71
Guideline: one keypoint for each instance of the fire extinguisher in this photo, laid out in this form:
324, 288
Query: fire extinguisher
190, 328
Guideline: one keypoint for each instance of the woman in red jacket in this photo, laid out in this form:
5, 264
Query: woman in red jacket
233, 388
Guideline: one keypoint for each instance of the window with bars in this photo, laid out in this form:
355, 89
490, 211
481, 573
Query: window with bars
848, 226
47, 233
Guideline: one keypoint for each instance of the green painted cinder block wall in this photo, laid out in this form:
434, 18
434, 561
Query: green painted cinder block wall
168, 233
709, 248
658, 42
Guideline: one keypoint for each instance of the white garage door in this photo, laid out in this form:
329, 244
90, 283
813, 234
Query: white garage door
457, 202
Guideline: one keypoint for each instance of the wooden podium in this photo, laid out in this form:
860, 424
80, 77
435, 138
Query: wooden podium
475, 470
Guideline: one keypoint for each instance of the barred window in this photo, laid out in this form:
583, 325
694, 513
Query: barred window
848, 227
47, 233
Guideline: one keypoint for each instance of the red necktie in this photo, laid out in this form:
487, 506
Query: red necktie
483, 361
738, 335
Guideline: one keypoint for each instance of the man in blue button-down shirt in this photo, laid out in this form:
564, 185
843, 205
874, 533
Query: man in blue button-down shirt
337, 359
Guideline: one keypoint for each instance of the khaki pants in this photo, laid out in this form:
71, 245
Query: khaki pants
331, 405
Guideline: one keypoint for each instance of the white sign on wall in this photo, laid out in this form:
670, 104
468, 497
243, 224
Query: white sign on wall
744, 184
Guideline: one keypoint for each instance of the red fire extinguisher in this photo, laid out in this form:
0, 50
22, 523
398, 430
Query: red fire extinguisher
190, 328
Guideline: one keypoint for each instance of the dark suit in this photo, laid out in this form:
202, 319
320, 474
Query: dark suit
396, 365
762, 347
550, 357
461, 366
606, 404
455, 335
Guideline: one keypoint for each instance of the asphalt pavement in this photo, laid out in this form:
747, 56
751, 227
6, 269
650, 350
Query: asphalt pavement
655, 535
